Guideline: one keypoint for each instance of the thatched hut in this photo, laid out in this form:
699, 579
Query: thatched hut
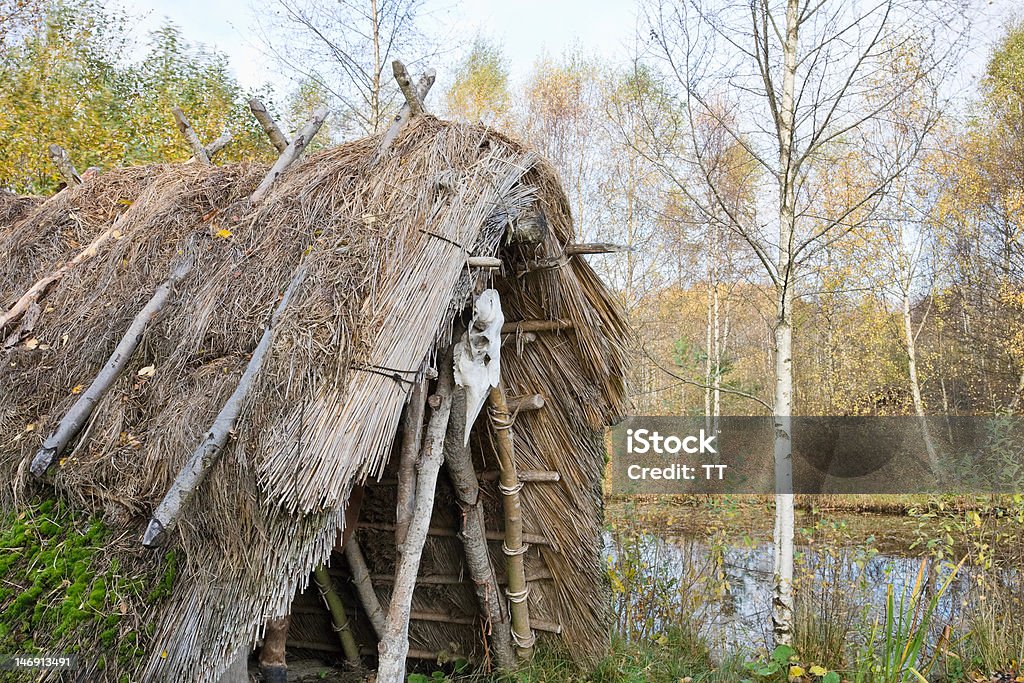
348, 281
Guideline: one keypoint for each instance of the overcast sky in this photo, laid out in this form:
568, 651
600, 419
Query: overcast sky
526, 29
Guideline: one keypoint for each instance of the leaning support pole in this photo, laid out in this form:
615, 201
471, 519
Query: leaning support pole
60, 158
166, 515
508, 482
422, 88
459, 461
412, 437
75, 419
394, 645
412, 98
268, 124
364, 586
292, 152
338, 615
198, 151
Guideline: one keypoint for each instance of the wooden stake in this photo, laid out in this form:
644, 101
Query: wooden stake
483, 262
198, 151
277, 138
422, 88
364, 585
535, 326
273, 665
184, 487
518, 589
338, 615
61, 159
474, 541
80, 412
412, 437
292, 152
412, 98
394, 645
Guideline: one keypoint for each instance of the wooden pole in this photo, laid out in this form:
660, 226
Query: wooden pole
521, 326
338, 615
266, 121
292, 152
412, 437
75, 419
60, 158
198, 151
524, 403
412, 98
364, 585
218, 144
394, 645
459, 461
273, 665
518, 589
166, 515
594, 248
422, 88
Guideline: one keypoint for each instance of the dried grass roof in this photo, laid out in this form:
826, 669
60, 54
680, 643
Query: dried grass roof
385, 247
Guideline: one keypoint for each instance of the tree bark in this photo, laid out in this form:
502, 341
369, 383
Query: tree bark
75, 419
292, 152
474, 534
266, 121
184, 487
394, 646
198, 150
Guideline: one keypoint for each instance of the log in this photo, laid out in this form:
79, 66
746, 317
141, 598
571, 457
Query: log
525, 476
62, 160
532, 539
518, 589
530, 402
184, 487
40, 288
272, 655
266, 121
422, 88
412, 437
454, 579
185, 128
521, 326
364, 585
218, 144
483, 262
338, 616
71, 424
412, 98
292, 152
394, 646
594, 248
459, 461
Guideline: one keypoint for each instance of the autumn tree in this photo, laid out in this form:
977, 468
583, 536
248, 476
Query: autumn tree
791, 82
480, 91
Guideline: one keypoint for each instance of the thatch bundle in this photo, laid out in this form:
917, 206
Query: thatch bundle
383, 245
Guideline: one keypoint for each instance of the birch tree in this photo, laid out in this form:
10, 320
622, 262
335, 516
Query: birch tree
791, 81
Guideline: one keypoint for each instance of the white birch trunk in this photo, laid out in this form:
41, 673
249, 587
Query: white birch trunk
915, 384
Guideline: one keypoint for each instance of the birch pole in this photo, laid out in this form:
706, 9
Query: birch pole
184, 487
406, 113
266, 121
292, 152
71, 424
186, 130
394, 644
60, 158
412, 437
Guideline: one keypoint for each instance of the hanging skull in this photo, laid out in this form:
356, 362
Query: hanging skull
478, 354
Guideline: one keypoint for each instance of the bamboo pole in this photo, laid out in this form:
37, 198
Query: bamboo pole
412, 437
474, 542
394, 645
266, 121
364, 585
514, 548
292, 152
75, 419
184, 487
186, 130
338, 615
62, 160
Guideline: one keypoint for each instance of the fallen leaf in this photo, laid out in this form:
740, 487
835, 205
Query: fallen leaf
147, 371
817, 670
77, 389
30, 427
117, 234
223, 233
31, 343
